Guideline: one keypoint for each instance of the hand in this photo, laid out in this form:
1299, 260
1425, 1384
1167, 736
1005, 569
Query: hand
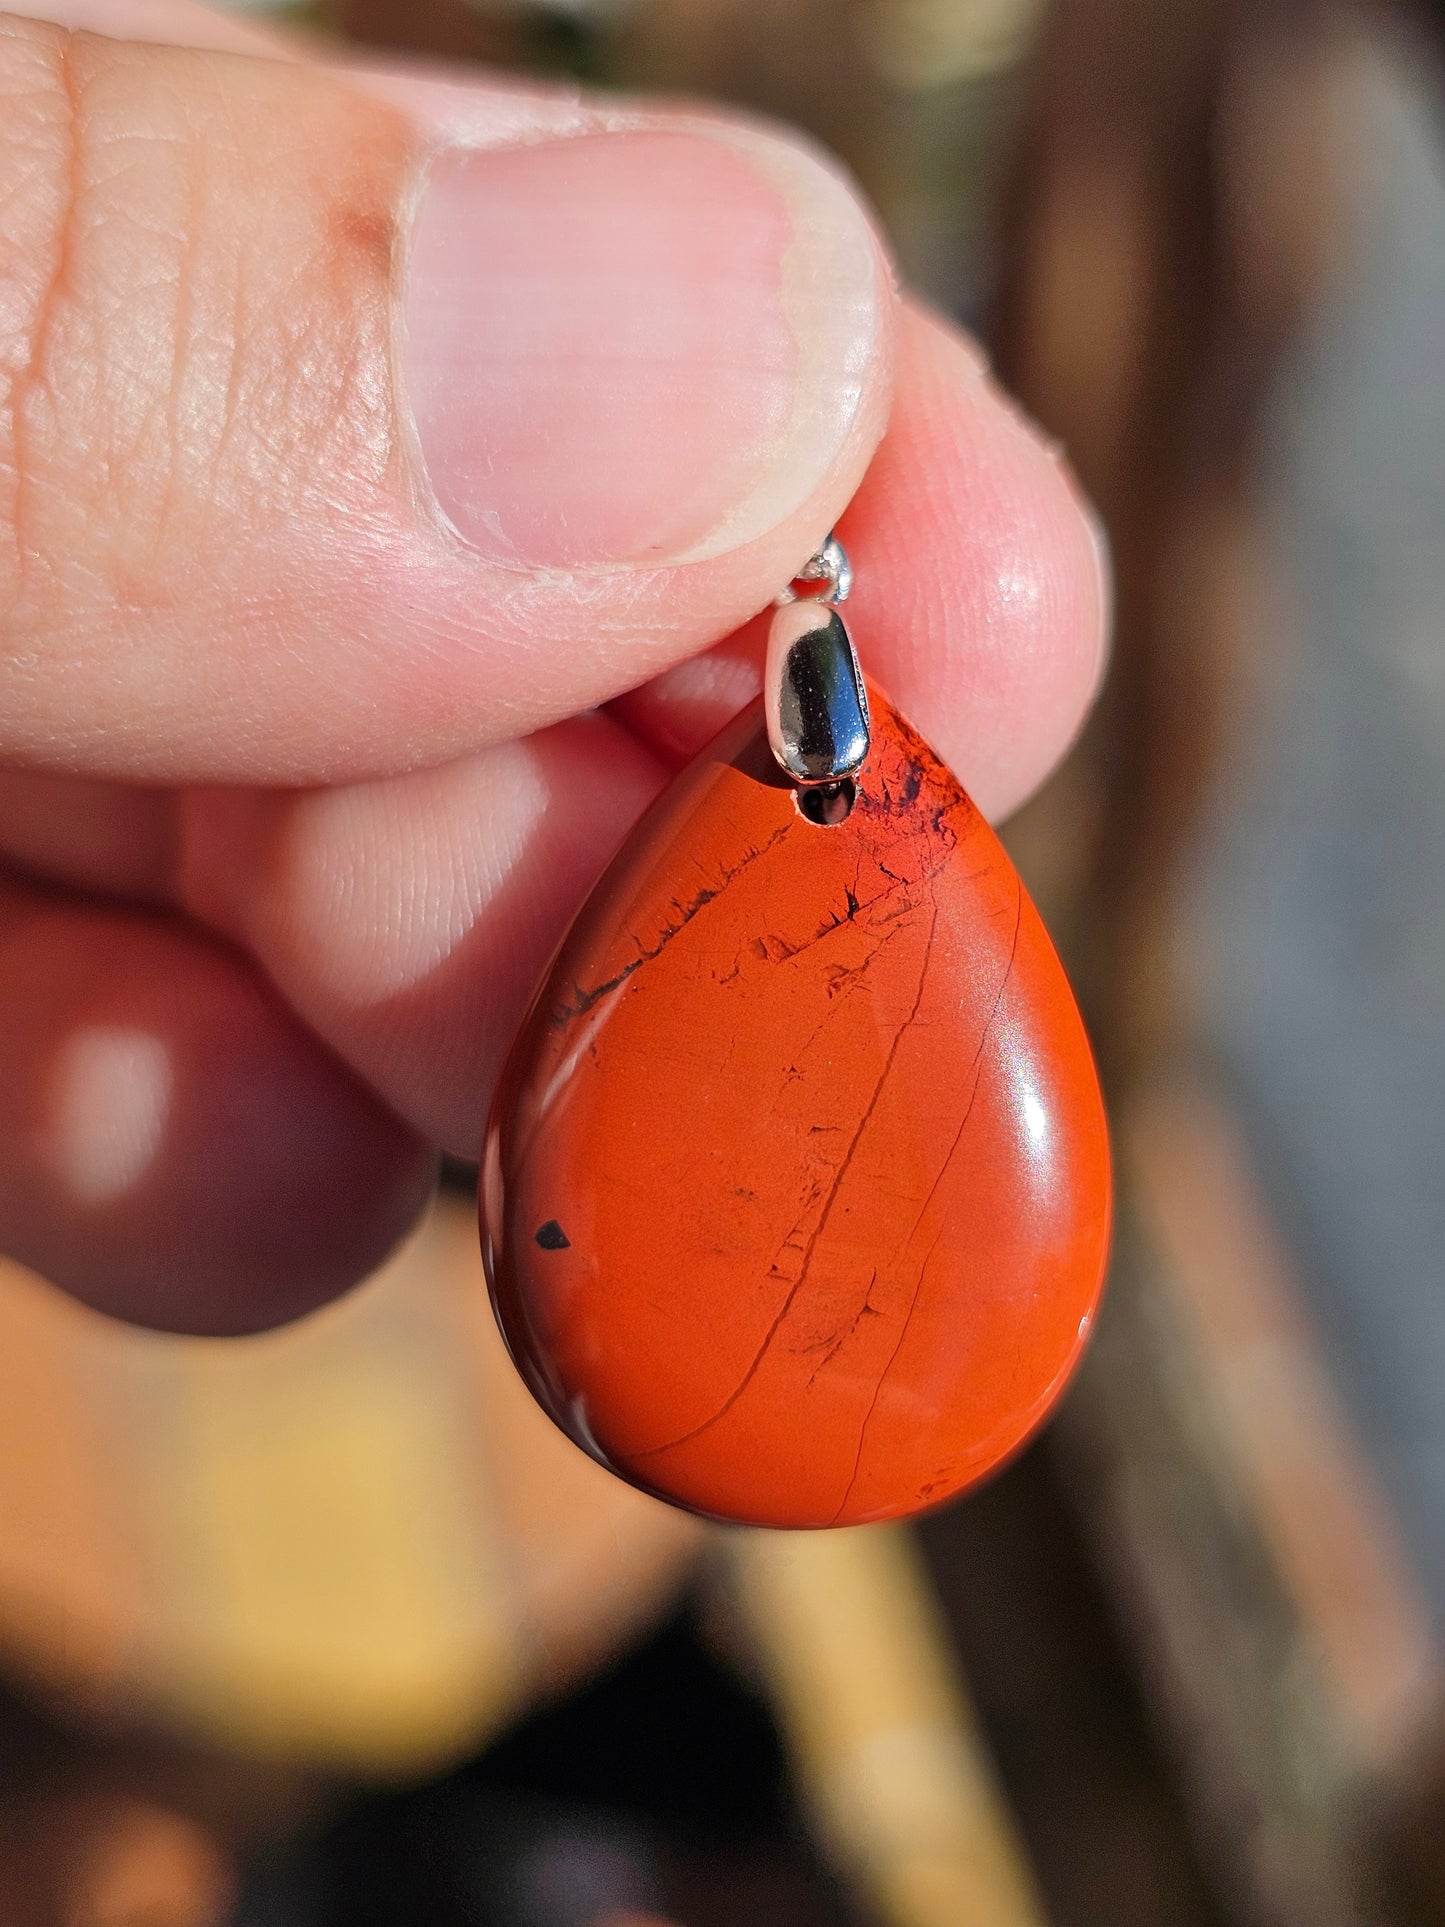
367, 439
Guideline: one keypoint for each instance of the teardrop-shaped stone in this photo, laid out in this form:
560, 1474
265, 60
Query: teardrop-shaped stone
796, 1191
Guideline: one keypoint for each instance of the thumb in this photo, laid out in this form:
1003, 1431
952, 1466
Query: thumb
339, 436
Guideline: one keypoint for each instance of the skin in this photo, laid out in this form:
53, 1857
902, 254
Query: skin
267, 928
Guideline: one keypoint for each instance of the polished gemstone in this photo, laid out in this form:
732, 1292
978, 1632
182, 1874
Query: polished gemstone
796, 1191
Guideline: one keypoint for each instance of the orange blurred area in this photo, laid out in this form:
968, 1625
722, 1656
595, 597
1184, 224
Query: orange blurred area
355, 1542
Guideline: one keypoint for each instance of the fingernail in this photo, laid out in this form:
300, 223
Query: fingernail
641, 347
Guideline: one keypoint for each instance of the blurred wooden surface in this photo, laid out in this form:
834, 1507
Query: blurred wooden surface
1182, 201
887, 1751
355, 1542
243, 1574
1259, 1571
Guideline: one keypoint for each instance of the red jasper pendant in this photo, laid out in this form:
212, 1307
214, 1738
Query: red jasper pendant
796, 1190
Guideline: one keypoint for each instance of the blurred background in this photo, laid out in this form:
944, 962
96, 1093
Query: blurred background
329, 1629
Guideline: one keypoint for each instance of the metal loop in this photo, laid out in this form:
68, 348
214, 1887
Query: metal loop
814, 695
828, 576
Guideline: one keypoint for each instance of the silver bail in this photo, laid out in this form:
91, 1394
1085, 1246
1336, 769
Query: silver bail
813, 692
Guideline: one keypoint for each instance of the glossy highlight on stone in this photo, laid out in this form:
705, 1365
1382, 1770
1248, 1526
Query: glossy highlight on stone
795, 1196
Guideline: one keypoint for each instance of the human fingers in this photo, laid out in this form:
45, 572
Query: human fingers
407, 919
174, 1147
177, 23
981, 596
344, 436
981, 604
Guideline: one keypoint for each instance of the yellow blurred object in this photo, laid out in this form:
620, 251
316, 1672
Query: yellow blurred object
355, 1543
878, 1727
918, 45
